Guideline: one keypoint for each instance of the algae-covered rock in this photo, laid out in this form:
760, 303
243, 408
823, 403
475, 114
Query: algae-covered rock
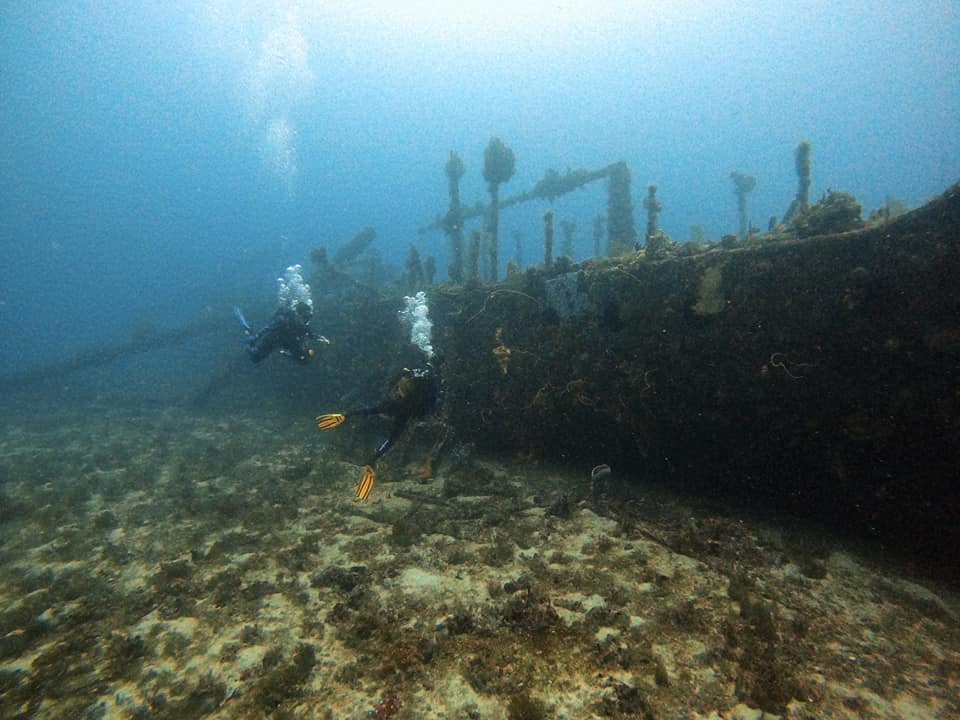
836, 212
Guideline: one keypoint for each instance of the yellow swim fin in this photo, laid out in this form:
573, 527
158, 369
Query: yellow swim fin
330, 420
365, 486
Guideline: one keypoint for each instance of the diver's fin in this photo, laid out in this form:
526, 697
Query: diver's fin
243, 321
330, 420
365, 486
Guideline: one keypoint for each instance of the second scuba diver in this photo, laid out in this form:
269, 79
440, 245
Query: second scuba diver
414, 394
289, 329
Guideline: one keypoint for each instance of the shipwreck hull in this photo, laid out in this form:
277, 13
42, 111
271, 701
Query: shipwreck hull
818, 375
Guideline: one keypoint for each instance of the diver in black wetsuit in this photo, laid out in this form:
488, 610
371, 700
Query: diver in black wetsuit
288, 331
414, 394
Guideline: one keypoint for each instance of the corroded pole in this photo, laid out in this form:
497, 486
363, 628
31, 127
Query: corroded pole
499, 164
653, 208
453, 223
55, 372
551, 186
548, 238
743, 184
804, 165
621, 233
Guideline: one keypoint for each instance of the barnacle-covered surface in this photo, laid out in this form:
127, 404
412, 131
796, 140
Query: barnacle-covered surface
164, 564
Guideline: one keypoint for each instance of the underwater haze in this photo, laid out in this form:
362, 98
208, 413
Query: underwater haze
166, 160
258, 461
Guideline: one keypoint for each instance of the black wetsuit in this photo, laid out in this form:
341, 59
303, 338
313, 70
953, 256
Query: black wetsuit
287, 332
415, 394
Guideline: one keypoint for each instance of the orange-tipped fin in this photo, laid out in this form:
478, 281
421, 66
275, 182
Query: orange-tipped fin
365, 486
330, 420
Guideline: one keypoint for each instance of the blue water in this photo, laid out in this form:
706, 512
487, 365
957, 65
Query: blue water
161, 160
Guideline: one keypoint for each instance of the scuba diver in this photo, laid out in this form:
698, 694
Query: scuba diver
289, 329
414, 394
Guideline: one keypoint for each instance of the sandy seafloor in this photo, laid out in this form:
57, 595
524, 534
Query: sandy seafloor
163, 564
